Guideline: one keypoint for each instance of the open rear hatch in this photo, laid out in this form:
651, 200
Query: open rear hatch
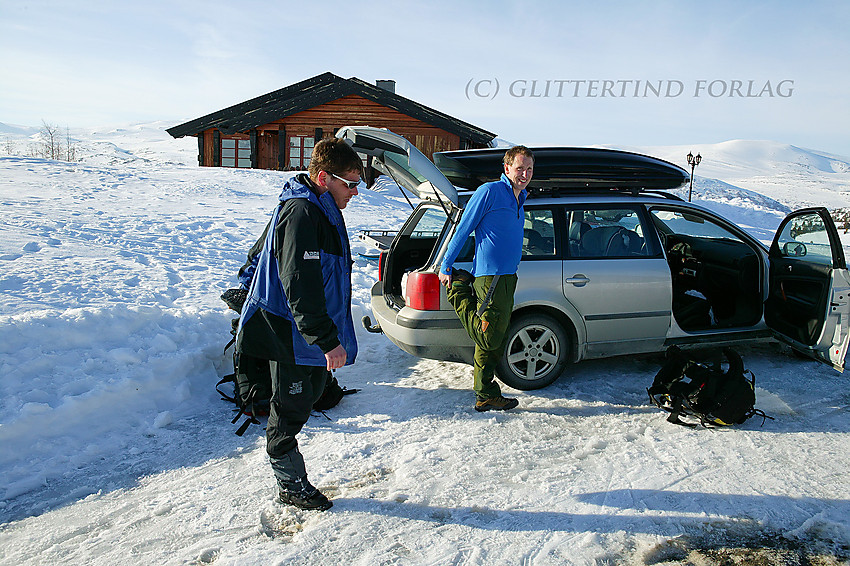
399, 159
414, 243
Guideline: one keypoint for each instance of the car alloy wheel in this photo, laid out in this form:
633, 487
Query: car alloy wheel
537, 350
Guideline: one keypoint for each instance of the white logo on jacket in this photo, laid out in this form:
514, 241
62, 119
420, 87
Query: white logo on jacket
311, 255
296, 388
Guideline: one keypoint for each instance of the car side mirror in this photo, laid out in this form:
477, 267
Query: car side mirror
794, 249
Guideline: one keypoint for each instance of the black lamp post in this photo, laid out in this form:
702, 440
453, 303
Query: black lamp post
693, 162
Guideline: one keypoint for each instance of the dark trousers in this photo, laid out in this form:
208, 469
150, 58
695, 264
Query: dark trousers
294, 390
489, 331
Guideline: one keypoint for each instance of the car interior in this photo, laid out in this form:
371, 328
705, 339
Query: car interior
605, 233
715, 274
411, 249
538, 232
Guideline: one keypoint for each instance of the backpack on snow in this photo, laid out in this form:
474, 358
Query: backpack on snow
251, 377
712, 396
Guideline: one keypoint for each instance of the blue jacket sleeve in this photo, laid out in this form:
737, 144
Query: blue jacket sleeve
472, 214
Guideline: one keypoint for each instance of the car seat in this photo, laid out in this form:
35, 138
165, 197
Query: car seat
610, 241
534, 243
577, 230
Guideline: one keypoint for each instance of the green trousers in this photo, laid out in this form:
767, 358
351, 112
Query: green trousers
489, 331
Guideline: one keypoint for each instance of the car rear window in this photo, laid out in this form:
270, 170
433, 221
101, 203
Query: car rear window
430, 224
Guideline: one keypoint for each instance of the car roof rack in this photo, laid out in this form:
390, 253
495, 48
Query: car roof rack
560, 191
549, 191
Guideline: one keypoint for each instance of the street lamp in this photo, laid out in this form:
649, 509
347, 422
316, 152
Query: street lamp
693, 162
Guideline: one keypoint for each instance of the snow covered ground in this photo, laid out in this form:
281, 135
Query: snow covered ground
115, 448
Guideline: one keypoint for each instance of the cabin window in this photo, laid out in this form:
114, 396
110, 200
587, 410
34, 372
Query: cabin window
300, 151
236, 153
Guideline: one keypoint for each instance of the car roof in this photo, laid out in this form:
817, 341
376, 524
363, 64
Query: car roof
593, 197
566, 169
599, 197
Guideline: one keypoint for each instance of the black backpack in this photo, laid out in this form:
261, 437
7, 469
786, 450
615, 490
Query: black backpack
711, 395
251, 377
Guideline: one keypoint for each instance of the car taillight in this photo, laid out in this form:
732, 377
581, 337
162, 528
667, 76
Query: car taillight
423, 291
382, 260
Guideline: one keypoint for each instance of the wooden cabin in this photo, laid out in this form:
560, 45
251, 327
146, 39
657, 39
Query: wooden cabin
278, 130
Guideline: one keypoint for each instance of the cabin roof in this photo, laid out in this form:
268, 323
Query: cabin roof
316, 91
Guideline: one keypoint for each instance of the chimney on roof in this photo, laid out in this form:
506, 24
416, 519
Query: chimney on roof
388, 85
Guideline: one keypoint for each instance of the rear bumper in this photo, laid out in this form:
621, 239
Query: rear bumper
435, 335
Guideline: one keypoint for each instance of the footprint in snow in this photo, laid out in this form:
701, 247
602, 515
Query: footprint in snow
32, 247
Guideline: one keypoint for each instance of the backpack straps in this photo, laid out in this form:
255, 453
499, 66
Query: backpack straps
229, 378
251, 419
229, 344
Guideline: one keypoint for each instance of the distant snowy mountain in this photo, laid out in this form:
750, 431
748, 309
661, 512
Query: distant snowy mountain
134, 143
793, 176
17, 130
773, 157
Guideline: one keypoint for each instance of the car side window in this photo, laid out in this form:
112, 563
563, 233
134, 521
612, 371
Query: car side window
538, 234
606, 233
805, 237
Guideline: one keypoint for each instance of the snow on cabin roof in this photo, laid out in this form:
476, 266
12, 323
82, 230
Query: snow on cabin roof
313, 92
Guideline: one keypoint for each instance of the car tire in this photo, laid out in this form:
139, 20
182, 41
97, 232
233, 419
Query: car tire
538, 348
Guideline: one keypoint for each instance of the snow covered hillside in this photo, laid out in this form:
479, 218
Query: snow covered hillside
792, 175
115, 447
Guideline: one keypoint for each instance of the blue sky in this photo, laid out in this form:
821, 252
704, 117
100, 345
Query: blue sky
89, 63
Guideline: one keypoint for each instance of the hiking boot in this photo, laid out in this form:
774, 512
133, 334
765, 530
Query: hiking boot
462, 276
304, 496
496, 403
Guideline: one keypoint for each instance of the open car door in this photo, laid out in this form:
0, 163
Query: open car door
807, 304
396, 157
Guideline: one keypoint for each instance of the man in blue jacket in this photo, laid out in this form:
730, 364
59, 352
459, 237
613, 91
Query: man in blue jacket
495, 213
298, 310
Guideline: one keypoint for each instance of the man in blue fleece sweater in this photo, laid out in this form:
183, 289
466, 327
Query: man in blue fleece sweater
495, 214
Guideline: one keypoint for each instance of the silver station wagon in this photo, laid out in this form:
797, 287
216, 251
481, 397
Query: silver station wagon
612, 264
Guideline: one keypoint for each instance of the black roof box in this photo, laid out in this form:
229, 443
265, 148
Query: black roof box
566, 168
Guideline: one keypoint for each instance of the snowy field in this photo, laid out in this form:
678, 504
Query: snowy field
116, 449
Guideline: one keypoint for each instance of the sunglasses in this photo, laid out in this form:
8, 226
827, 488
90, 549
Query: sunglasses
351, 184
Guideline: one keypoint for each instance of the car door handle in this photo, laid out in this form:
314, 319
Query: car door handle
579, 280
